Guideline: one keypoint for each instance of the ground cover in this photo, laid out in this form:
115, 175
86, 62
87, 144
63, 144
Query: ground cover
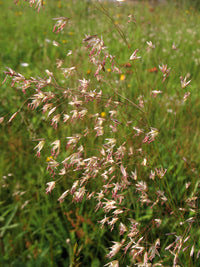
38, 230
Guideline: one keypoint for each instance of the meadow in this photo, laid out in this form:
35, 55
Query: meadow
104, 117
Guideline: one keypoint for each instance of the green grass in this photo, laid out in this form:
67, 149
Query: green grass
37, 233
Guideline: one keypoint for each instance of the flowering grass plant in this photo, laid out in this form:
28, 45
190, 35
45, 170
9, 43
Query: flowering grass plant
109, 138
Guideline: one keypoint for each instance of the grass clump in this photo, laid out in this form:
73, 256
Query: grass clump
110, 102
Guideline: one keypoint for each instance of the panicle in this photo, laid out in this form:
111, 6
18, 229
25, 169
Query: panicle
115, 249
51, 186
134, 55
184, 82
39, 147
62, 197
61, 22
38, 4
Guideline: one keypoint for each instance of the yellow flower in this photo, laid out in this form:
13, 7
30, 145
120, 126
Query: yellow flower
108, 70
70, 33
88, 71
49, 158
122, 77
103, 114
18, 13
64, 41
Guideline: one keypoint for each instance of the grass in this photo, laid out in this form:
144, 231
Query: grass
35, 229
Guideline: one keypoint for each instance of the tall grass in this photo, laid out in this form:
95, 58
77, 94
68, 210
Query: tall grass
124, 142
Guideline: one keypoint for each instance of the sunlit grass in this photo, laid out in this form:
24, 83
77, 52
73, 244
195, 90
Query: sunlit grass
34, 227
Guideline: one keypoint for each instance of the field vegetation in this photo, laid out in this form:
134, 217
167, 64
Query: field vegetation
100, 133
